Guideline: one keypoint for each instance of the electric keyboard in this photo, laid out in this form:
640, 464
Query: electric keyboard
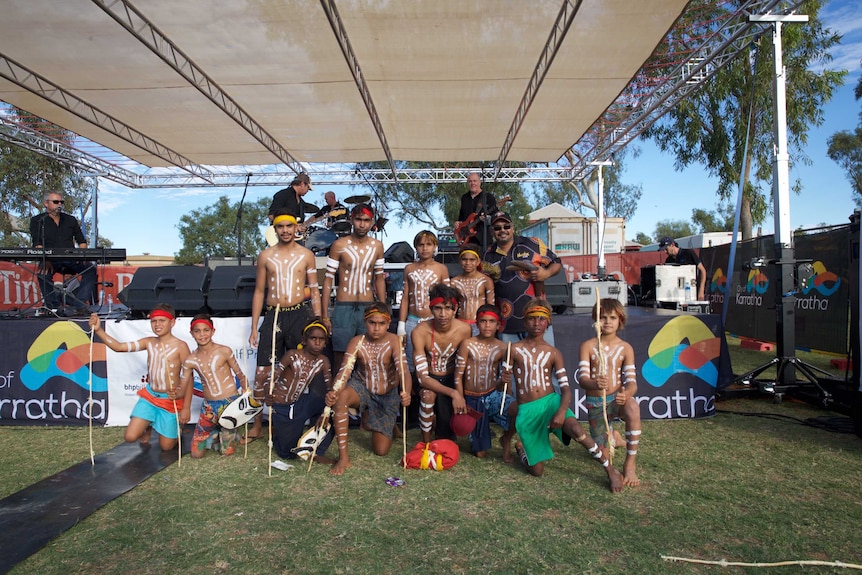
36, 254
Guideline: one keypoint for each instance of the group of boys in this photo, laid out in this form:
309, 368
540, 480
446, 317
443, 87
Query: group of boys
451, 328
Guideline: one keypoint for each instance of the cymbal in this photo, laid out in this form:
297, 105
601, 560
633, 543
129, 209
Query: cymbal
357, 199
309, 208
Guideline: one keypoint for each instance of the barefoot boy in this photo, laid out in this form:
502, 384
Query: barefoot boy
616, 378
378, 370
218, 370
301, 379
164, 402
541, 410
481, 375
419, 277
287, 276
476, 288
435, 345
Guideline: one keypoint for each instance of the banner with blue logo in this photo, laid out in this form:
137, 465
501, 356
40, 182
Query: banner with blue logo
822, 309
681, 359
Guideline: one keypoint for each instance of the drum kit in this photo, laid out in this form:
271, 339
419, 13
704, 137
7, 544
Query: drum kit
320, 239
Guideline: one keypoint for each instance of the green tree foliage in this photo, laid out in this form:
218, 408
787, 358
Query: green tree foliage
26, 175
673, 228
212, 231
643, 239
709, 128
845, 149
717, 221
425, 203
620, 201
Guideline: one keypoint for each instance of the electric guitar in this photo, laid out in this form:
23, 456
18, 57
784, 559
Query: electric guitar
466, 230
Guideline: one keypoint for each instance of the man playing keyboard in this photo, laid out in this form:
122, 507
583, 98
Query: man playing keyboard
55, 229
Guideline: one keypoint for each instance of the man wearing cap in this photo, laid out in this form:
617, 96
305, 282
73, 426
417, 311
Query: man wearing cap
290, 200
519, 266
679, 256
477, 204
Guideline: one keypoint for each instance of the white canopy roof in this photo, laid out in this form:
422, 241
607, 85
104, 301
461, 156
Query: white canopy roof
231, 92
239, 82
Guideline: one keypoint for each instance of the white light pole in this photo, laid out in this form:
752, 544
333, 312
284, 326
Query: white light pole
601, 270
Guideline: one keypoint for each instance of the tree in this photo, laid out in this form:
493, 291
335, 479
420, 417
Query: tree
212, 231
845, 149
620, 200
709, 128
424, 203
643, 239
672, 229
717, 221
26, 175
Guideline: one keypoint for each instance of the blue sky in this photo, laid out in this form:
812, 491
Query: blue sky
145, 221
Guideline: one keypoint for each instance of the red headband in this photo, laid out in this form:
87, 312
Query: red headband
203, 321
439, 300
364, 211
493, 314
161, 313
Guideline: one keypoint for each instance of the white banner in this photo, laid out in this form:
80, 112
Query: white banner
127, 372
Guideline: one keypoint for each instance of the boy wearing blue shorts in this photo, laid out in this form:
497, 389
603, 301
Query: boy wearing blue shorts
484, 379
164, 404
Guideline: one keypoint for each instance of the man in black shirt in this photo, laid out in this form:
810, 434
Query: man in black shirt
679, 256
334, 213
290, 199
480, 203
55, 229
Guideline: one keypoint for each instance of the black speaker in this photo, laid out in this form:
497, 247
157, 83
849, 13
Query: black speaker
182, 287
231, 290
399, 253
558, 292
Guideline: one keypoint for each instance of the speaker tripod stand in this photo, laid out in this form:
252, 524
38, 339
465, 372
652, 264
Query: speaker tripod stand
779, 386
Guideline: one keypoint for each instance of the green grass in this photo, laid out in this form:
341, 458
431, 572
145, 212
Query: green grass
735, 487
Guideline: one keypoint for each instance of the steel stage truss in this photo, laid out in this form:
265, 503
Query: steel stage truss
675, 71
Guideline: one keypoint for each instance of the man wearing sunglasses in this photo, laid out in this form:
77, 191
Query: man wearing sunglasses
56, 229
519, 266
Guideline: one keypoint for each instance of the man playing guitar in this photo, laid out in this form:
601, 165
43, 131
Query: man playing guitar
476, 207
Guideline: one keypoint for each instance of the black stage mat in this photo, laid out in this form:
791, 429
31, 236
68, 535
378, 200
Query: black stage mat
30, 518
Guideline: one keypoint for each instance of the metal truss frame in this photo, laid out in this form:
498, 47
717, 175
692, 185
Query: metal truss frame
646, 98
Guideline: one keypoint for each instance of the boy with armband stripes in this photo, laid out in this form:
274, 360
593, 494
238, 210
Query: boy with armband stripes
541, 410
608, 375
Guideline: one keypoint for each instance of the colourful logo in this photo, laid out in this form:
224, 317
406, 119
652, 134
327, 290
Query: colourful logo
757, 282
719, 282
824, 281
683, 345
63, 351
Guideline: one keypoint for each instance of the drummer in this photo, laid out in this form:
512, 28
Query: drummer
335, 214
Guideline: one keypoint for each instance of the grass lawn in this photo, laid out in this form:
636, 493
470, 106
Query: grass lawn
755, 483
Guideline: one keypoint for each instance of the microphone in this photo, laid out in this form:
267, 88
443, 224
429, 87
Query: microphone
106, 284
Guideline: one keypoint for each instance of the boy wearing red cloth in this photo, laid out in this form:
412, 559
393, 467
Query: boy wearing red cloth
164, 403
218, 370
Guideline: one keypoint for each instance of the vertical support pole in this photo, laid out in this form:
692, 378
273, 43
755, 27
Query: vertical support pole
785, 296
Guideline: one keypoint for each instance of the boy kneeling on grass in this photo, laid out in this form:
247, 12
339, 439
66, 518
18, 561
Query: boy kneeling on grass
541, 410
380, 365
164, 404
218, 370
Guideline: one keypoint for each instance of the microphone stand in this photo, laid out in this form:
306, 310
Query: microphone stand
237, 228
48, 275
